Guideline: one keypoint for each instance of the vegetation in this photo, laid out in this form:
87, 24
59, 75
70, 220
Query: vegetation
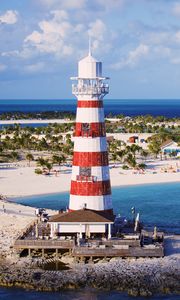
52, 144
37, 115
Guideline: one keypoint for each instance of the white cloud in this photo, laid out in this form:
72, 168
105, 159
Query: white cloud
133, 57
2, 67
176, 9
162, 51
101, 37
53, 36
34, 68
177, 37
63, 4
175, 61
9, 17
111, 4
97, 29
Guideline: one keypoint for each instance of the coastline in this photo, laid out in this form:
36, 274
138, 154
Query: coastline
142, 277
21, 180
35, 121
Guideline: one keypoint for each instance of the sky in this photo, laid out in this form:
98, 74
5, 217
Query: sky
138, 42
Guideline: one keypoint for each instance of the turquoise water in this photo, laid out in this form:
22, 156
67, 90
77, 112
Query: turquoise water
158, 204
18, 294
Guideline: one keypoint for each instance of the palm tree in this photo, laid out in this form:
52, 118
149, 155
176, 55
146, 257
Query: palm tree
29, 157
121, 154
14, 155
48, 165
135, 148
58, 159
154, 148
131, 160
41, 162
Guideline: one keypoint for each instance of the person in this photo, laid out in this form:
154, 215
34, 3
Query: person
4, 210
78, 240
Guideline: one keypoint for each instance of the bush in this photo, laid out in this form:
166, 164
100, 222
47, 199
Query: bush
125, 167
38, 171
142, 166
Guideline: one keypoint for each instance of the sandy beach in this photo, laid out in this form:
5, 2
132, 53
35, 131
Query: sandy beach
22, 181
35, 121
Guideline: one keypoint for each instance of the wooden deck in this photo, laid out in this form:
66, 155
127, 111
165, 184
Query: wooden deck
43, 244
109, 248
113, 252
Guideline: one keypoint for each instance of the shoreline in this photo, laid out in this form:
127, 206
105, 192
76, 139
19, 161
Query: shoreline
142, 277
35, 121
21, 180
11, 198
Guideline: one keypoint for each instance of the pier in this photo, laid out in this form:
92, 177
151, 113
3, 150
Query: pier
134, 245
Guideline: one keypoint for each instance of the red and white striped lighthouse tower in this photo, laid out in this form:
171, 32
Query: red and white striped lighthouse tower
90, 182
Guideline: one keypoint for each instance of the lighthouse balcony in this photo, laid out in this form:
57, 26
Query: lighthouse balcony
102, 89
82, 178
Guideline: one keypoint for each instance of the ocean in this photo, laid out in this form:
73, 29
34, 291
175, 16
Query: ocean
158, 204
86, 294
169, 108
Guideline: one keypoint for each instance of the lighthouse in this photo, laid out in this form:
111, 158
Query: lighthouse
90, 182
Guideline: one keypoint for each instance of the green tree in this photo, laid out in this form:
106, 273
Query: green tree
154, 148
14, 156
29, 157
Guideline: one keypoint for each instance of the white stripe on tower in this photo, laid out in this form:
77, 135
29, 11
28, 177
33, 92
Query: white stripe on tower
92, 202
90, 182
98, 144
90, 115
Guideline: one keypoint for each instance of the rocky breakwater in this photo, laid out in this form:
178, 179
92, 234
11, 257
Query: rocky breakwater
138, 277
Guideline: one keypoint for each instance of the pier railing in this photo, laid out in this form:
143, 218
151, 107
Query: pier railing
46, 244
121, 251
102, 89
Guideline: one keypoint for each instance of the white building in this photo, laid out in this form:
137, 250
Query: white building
82, 223
170, 147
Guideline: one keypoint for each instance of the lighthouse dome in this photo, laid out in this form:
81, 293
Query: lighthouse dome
89, 68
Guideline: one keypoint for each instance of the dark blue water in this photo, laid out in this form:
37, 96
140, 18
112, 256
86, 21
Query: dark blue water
18, 294
168, 108
158, 204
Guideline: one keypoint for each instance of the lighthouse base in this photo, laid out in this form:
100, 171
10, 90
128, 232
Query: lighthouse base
99, 203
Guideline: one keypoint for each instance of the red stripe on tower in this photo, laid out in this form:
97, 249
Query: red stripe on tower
90, 159
85, 188
90, 130
86, 103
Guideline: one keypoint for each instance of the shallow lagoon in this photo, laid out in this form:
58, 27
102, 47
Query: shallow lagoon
158, 204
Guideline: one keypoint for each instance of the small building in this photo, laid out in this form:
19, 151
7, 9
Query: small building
170, 146
83, 223
133, 139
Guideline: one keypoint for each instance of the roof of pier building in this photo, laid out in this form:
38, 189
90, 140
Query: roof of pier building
84, 216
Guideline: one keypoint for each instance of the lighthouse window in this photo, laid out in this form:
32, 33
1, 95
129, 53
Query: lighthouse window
84, 171
85, 127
